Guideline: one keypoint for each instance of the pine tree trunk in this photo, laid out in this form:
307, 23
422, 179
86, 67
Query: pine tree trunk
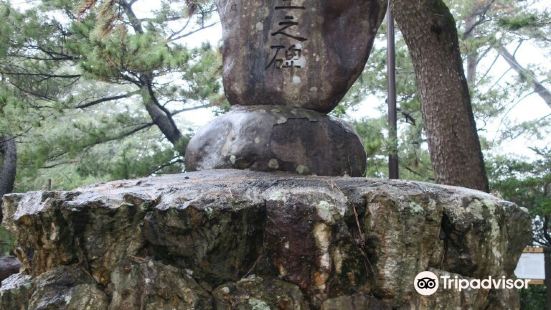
159, 114
8, 165
163, 119
472, 56
430, 33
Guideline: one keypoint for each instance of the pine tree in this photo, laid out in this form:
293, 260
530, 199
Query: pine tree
102, 88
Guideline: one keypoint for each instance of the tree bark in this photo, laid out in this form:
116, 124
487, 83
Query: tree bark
162, 118
430, 33
8, 166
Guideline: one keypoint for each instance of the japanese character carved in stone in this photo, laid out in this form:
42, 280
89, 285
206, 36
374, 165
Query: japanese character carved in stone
287, 63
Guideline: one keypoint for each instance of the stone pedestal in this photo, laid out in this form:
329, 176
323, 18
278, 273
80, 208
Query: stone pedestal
272, 138
233, 239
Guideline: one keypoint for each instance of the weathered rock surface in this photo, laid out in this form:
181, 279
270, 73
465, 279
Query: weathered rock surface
15, 291
8, 266
233, 239
303, 53
270, 138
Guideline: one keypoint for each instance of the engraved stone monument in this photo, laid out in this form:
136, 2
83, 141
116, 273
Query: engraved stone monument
236, 239
287, 63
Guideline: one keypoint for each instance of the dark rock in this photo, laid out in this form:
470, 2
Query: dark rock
197, 235
255, 292
15, 292
268, 138
360, 301
66, 287
8, 265
302, 53
146, 284
250, 240
100, 235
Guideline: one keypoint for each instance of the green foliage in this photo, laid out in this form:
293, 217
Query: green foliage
60, 56
413, 153
533, 298
6, 242
525, 182
75, 82
373, 140
97, 43
493, 96
519, 21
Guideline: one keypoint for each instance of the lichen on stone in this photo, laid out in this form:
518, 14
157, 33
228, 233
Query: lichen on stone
242, 239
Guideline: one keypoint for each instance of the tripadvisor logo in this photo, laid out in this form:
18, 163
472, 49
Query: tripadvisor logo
427, 283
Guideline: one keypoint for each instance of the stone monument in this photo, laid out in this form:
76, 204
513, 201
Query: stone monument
237, 239
286, 65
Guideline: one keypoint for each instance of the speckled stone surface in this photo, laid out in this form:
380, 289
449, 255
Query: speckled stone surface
234, 239
301, 53
271, 138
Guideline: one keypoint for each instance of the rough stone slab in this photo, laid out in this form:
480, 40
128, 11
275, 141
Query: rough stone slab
318, 241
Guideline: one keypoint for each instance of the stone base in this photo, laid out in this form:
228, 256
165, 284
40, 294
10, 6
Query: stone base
232, 239
277, 138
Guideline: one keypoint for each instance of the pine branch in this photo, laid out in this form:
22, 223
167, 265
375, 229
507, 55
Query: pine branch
192, 32
173, 161
108, 139
527, 75
104, 99
45, 75
479, 12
